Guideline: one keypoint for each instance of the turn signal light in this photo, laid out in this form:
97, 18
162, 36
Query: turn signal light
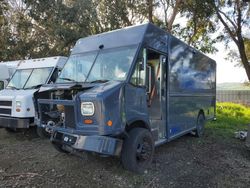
18, 110
109, 123
88, 121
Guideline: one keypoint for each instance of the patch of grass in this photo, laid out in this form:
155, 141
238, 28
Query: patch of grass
231, 117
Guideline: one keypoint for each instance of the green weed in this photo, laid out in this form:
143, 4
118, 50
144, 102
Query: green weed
231, 117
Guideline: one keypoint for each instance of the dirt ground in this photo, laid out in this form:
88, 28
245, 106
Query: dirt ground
28, 161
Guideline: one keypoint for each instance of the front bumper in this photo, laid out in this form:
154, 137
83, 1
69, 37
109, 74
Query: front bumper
11, 122
99, 144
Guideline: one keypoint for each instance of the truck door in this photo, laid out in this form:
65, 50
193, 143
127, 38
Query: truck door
156, 91
135, 91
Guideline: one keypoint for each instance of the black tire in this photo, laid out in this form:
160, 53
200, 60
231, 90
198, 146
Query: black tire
42, 133
59, 147
200, 126
138, 150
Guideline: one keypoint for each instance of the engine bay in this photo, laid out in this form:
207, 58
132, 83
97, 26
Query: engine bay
59, 108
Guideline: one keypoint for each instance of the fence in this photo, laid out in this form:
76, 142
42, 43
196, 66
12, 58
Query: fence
236, 96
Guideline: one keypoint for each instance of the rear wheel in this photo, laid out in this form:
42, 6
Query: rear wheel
200, 126
138, 150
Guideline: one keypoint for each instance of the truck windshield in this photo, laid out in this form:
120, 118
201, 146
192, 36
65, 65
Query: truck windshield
110, 64
29, 78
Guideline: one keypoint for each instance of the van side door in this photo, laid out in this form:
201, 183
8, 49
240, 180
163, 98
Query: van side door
156, 92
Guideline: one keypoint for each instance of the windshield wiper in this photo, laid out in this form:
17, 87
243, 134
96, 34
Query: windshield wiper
13, 87
99, 81
68, 79
34, 87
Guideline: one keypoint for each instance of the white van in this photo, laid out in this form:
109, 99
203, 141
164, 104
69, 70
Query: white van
6, 71
17, 108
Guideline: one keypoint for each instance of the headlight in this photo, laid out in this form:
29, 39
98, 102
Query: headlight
87, 108
18, 104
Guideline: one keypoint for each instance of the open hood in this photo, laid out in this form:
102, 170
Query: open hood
65, 86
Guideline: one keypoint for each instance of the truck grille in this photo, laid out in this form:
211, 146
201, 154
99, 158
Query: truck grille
5, 111
5, 103
5, 108
69, 117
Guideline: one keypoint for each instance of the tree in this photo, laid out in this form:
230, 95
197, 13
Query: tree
150, 10
3, 7
247, 47
59, 24
51, 27
4, 31
234, 16
198, 25
14, 31
170, 8
112, 14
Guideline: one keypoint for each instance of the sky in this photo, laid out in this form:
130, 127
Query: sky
226, 70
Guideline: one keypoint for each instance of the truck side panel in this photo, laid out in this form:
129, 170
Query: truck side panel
192, 87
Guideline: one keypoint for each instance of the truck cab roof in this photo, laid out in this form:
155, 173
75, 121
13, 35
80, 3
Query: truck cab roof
121, 37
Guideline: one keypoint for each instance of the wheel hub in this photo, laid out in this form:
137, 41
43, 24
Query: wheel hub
143, 151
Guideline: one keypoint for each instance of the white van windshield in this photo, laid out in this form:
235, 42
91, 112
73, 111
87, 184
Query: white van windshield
29, 78
110, 64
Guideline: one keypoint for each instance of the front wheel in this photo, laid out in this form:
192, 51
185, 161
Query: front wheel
59, 147
138, 150
200, 126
